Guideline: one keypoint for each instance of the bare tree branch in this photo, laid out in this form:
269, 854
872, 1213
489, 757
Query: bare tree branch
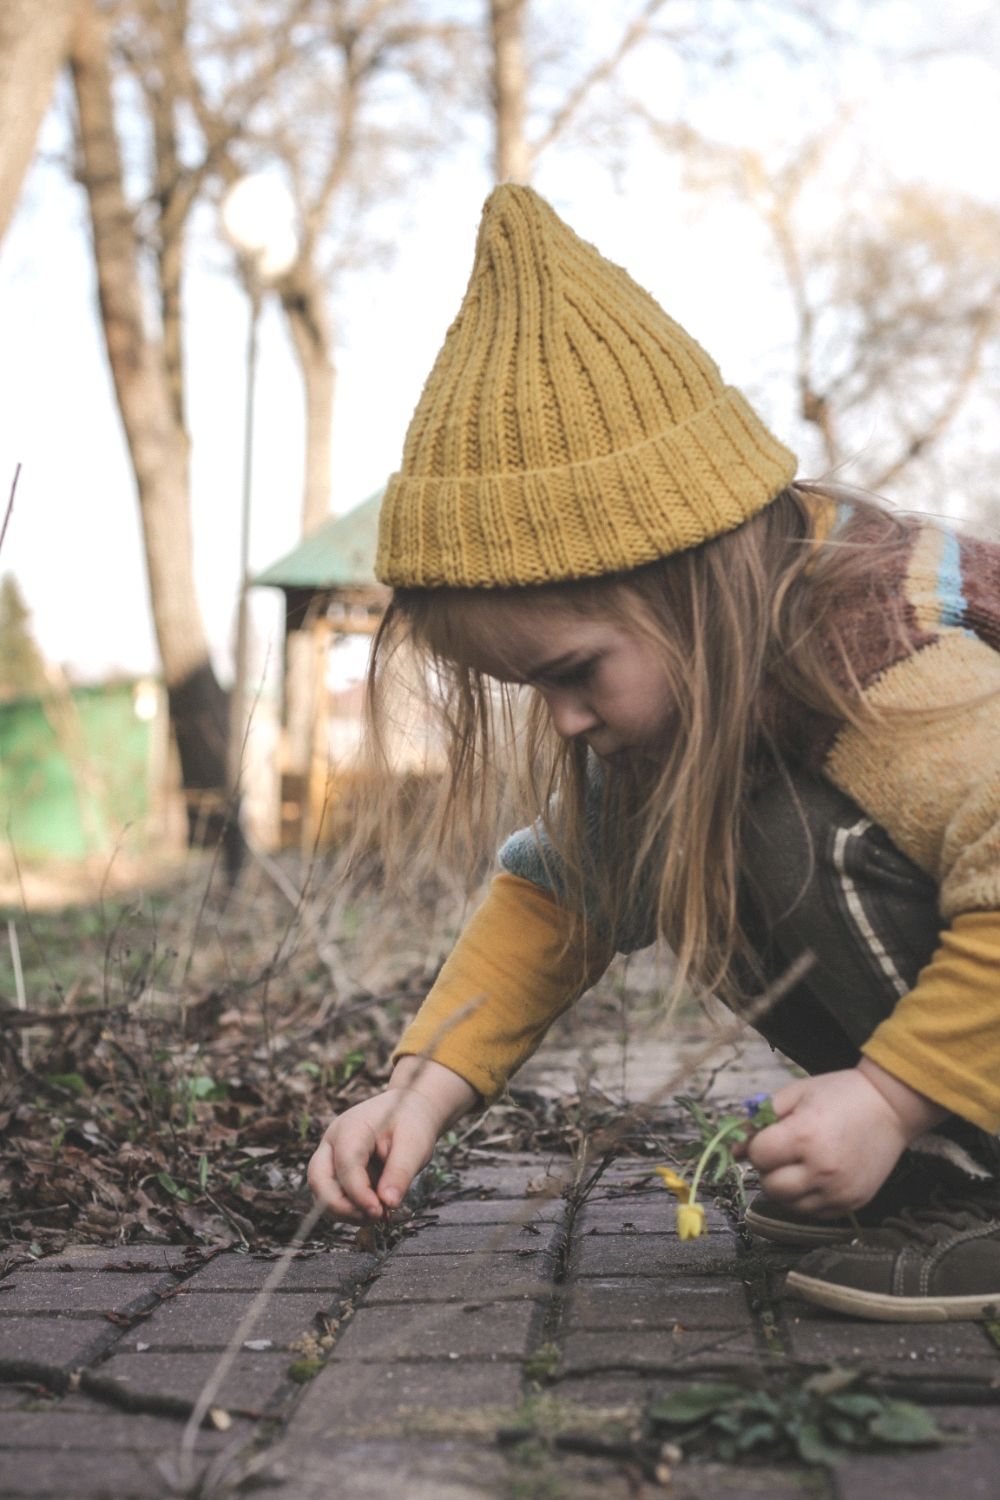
599, 73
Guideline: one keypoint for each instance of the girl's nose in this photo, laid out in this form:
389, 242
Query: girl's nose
570, 716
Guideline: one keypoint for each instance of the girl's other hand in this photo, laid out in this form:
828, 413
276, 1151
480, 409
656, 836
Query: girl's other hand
838, 1137
369, 1155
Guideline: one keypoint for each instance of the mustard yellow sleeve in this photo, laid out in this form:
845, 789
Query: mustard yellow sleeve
943, 1038
519, 963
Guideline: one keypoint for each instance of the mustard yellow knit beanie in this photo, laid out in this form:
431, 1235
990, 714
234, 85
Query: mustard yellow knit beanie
569, 427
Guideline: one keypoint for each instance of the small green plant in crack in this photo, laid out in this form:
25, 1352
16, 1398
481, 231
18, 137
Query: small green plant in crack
546, 1427
819, 1420
542, 1363
439, 1173
535, 1476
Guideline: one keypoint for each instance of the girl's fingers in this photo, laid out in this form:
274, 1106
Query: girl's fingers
351, 1159
785, 1099
338, 1175
402, 1164
787, 1184
340, 1206
325, 1187
796, 1188
770, 1148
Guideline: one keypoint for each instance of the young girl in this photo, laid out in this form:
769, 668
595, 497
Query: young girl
764, 723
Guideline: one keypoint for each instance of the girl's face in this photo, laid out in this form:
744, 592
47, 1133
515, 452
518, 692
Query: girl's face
602, 683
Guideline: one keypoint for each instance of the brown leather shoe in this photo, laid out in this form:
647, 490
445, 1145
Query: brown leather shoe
775, 1221
926, 1265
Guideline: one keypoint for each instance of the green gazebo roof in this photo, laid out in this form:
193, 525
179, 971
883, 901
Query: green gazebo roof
338, 554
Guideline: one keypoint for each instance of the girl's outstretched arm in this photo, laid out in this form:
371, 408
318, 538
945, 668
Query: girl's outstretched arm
516, 966
369, 1155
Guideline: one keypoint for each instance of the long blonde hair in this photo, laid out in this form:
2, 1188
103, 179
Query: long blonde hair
735, 621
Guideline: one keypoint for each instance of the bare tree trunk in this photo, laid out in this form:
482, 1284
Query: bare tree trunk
34, 42
304, 301
512, 155
157, 442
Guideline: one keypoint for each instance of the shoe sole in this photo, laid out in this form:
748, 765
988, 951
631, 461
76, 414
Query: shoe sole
784, 1233
885, 1308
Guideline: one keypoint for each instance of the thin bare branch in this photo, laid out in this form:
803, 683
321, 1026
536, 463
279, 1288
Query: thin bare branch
598, 74
10, 505
932, 431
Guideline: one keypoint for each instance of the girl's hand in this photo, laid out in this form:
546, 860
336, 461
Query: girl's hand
369, 1155
838, 1137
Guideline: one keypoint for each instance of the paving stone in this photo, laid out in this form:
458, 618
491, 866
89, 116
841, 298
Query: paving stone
968, 1468
622, 1391
639, 1069
920, 1348
633, 1180
475, 1239
564, 1473
252, 1381
651, 1255
654, 1349
497, 1211
61, 1341
83, 1293
426, 1330
635, 1168
475, 1278
374, 1469
638, 1302
698, 1481
348, 1397
147, 1259
79, 1422
202, 1322
974, 1421
333, 1272
90, 1475
543, 1178
628, 1215
586, 1479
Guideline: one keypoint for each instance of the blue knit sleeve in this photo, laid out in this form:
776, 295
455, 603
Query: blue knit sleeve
529, 853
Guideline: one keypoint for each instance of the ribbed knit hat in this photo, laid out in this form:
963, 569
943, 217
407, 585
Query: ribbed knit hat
569, 427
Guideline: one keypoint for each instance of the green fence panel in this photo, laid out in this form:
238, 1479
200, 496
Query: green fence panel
74, 771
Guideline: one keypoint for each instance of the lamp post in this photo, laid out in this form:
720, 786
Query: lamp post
258, 220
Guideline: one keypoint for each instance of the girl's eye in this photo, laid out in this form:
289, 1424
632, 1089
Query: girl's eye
577, 675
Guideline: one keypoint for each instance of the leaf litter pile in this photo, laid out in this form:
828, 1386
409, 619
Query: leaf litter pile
179, 1056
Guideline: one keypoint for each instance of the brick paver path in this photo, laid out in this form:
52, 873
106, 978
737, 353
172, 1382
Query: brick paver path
508, 1299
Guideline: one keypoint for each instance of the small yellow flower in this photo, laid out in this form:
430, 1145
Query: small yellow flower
690, 1221
673, 1183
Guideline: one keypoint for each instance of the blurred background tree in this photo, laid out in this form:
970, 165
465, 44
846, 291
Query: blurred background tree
894, 302
34, 41
22, 665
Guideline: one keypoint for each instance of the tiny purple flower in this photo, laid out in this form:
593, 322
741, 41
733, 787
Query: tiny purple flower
760, 1110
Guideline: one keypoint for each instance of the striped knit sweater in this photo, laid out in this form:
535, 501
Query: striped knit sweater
925, 633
